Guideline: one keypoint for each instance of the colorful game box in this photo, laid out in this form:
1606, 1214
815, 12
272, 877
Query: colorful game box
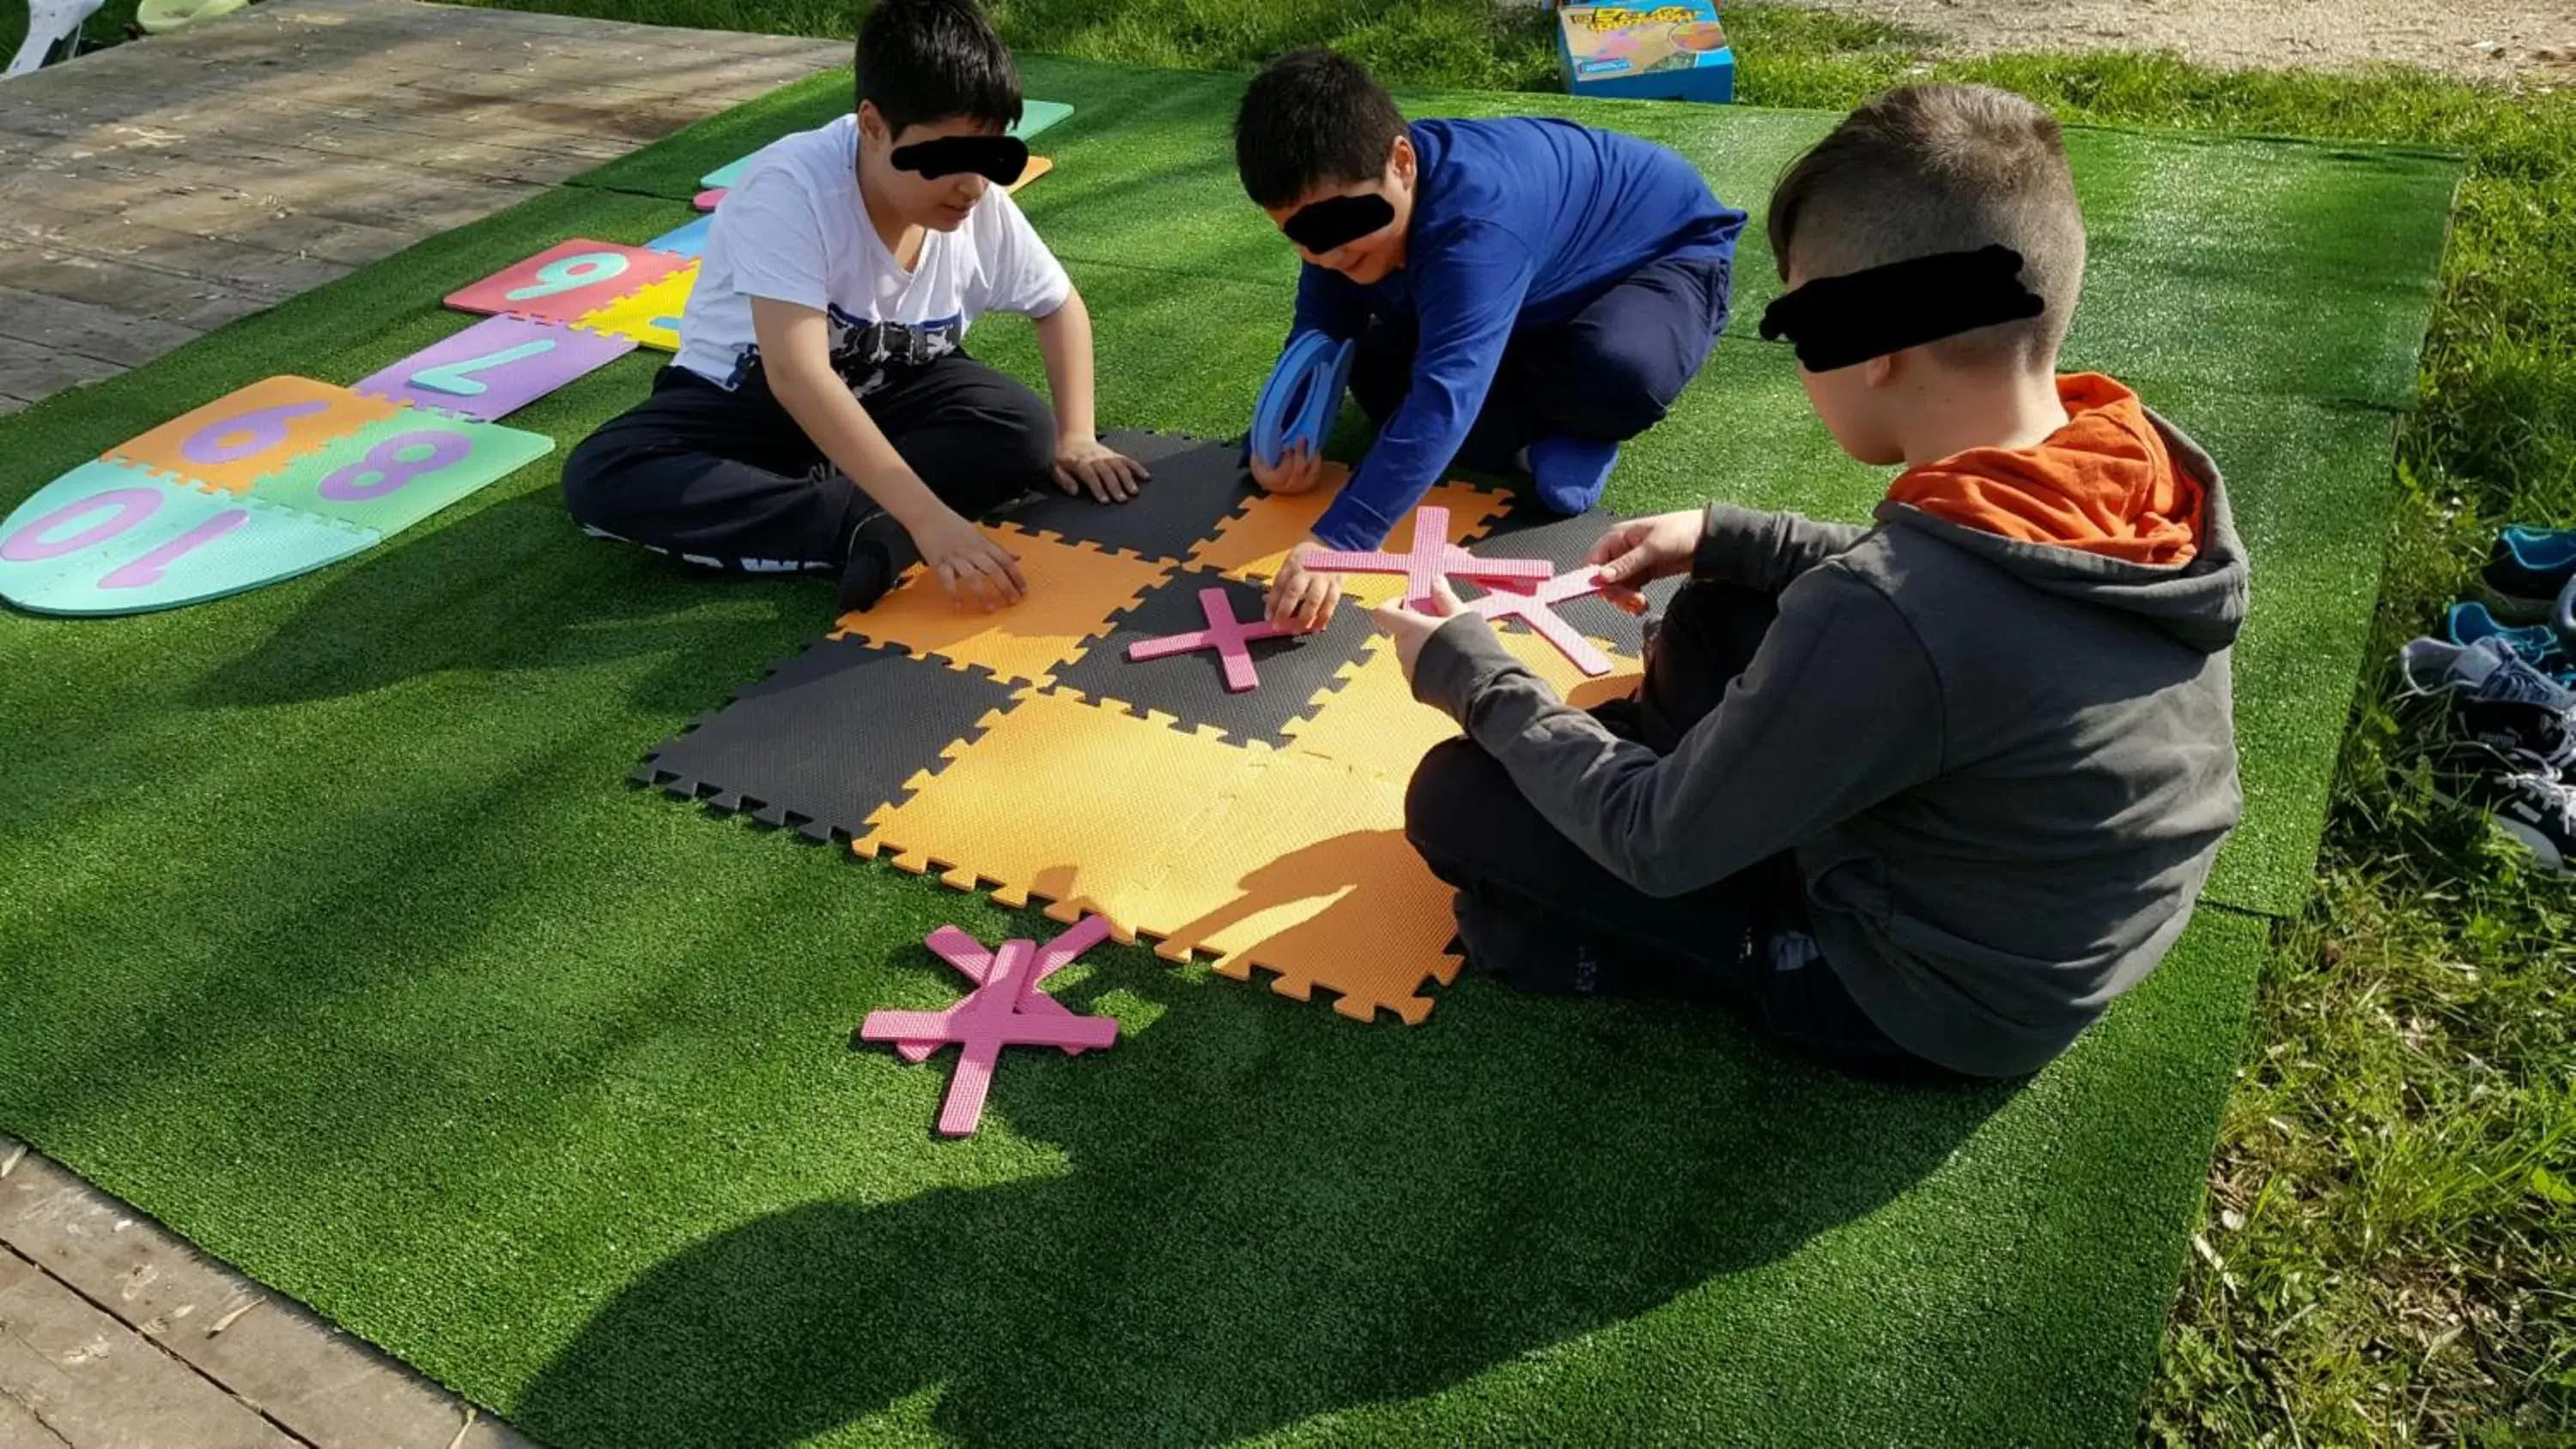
1673, 51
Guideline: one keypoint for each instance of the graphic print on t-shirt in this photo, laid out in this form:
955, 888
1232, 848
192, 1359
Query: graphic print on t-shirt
863, 351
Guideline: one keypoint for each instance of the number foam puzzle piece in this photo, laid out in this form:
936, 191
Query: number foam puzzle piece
495, 367
234, 440
651, 317
709, 199
685, 241
1431, 558
1536, 608
566, 280
1224, 633
392, 474
109, 539
1003, 1010
1038, 166
1035, 116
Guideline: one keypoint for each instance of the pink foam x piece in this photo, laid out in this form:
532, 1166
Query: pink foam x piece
1431, 558
1004, 1009
969, 956
1225, 634
1536, 608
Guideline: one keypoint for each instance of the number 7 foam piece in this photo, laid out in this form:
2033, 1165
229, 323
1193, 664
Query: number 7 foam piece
567, 280
495, 367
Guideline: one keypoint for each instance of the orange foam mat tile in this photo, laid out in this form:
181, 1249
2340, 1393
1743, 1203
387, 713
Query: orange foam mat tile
1061, 800
1305, 874
1251, 543
1373, 722
246, 435
1073, 589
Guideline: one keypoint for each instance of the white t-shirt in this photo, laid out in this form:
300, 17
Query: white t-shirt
795, 230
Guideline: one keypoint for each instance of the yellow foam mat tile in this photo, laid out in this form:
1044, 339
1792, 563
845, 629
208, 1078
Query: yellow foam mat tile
1305, 874
650, 317
1059, 799
1073, 591
1251, 543
1373, 721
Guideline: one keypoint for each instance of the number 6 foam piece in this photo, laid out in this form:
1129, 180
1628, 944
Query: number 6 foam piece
495, 367
392, 474
106, 538
233, 441
564, 281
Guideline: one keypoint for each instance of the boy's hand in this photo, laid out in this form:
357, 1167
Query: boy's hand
1085, 462
1411, 629
1299, 470
1641, 551
967, 559
1299, 599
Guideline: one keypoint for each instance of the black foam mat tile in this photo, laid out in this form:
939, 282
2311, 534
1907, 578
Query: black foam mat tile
1196, 485
1191, 687
828, 737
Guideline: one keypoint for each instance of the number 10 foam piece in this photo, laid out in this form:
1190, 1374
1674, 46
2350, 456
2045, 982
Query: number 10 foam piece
278, 479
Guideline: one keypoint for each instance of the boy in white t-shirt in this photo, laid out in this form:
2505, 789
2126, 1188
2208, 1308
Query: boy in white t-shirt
822, 415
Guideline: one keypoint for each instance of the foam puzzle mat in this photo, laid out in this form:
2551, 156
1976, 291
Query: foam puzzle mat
1021, 751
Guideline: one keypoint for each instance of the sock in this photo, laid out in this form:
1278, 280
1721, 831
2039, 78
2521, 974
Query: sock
1571, 472
880, 551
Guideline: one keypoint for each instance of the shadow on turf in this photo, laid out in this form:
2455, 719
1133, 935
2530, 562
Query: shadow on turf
515, 586
1392, 1214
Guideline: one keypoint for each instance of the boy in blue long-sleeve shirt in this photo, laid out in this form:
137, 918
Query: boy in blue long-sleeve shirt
1526, 293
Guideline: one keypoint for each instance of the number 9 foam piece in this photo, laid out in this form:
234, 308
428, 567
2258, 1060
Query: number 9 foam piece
495, 367
564, 281
109, 539
234, 440
392, 474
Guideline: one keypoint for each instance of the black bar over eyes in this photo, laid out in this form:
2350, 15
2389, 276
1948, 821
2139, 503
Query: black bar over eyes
1840, 321
1337, 221
1000, 159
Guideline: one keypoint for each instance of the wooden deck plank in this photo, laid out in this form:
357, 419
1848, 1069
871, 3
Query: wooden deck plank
320, 1384
96, 1384
190, 179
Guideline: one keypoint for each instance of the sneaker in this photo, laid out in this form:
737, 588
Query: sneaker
2537, 644
880, 550
2535, 808
1570, 472
2526, 570
2488, 671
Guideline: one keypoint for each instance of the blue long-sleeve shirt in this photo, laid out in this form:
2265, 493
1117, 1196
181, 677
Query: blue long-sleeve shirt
1517, 222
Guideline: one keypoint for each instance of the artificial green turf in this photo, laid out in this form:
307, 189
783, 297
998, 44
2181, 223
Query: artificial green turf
330, 937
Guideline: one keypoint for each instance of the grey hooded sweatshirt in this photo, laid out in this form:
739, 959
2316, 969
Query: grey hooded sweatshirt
2003, 767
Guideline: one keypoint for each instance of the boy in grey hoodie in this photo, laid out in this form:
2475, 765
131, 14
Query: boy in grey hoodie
1922, 798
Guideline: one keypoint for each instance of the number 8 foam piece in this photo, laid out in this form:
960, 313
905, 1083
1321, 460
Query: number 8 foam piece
495, 367
107, 538
393, 473
566, 281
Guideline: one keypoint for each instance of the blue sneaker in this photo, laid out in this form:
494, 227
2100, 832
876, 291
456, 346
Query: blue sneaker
2486, 672
2527, 569
2538, 645
1571, 472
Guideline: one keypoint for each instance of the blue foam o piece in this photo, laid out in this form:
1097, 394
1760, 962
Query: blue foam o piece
1303, 398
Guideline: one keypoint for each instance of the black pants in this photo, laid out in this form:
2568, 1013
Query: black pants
1538, 913
1609, 372
728, 480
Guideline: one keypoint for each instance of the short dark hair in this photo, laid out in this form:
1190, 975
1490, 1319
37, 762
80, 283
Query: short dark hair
923, 61
1930, 169
1312, 118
